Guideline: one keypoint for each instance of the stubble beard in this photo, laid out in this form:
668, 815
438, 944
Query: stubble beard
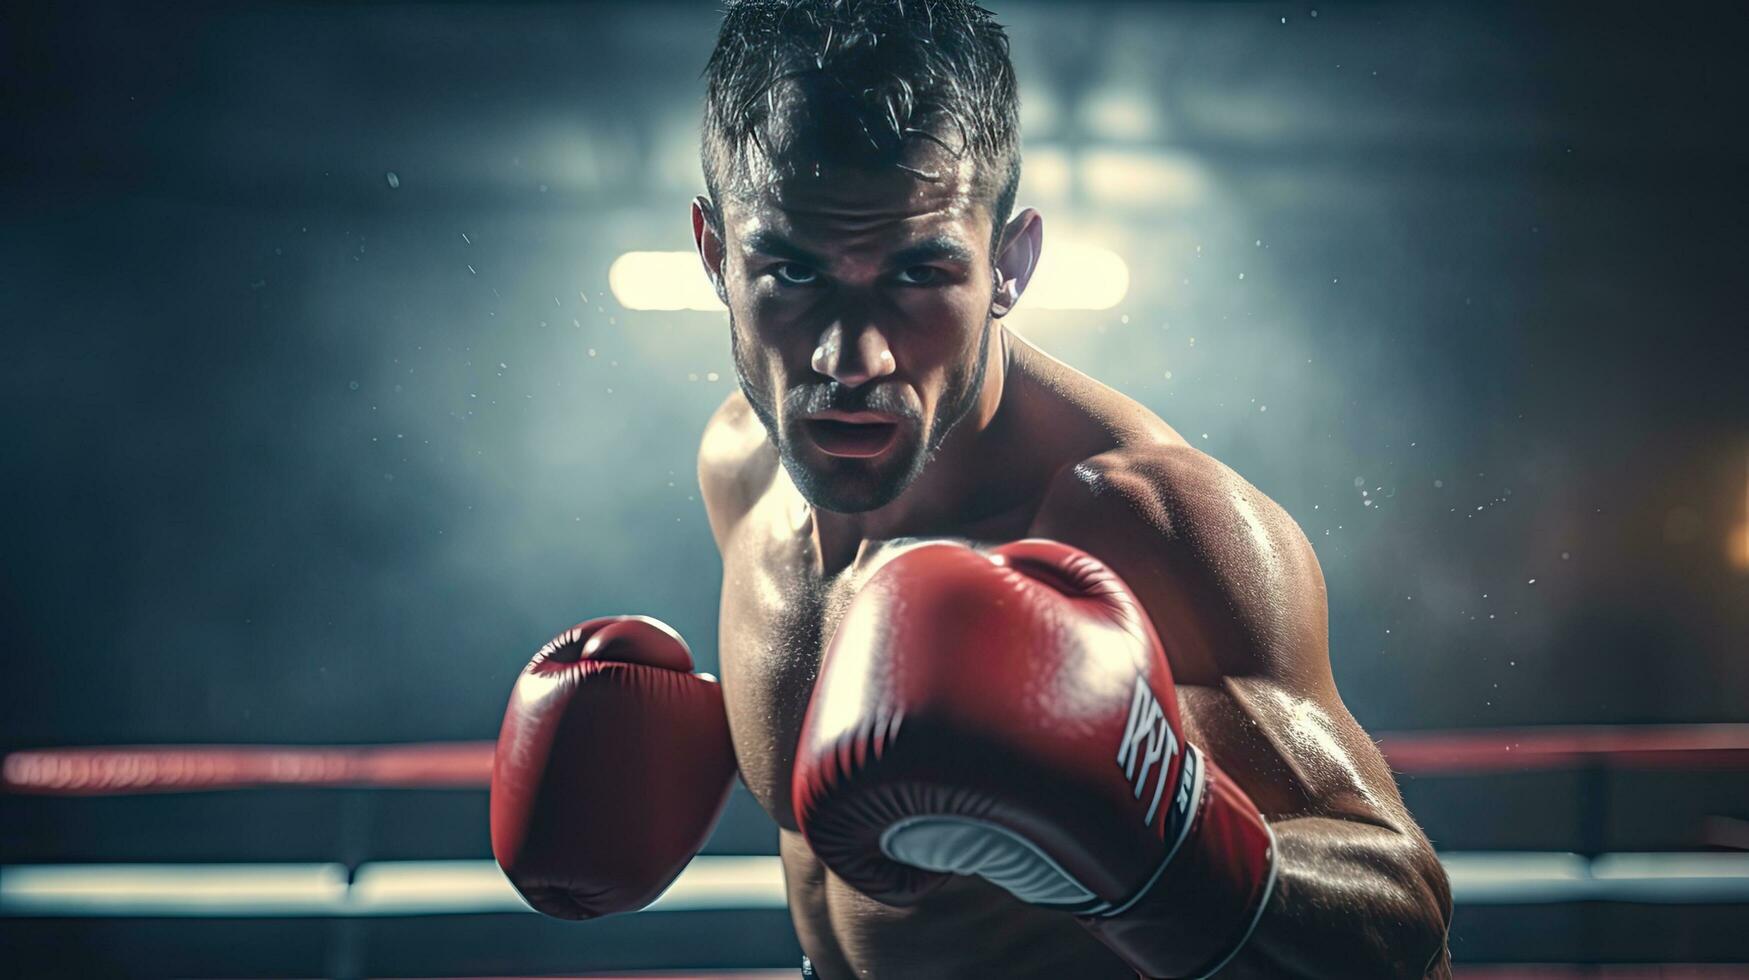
849, 486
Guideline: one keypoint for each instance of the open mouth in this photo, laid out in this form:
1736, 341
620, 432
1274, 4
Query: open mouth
858, 439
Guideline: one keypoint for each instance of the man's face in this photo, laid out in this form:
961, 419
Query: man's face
859, 310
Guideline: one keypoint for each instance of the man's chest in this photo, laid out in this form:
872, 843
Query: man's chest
778, 612
781, 605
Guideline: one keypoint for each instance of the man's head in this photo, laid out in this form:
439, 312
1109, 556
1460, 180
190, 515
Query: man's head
862, 158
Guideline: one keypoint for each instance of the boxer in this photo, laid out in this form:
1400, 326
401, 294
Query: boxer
1031, 686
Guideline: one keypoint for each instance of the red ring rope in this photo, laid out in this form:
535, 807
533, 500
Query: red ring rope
114, 771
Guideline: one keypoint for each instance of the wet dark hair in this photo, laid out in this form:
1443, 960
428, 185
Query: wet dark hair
806, 83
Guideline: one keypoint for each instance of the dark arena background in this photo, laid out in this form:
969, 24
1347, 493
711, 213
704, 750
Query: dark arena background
355, 349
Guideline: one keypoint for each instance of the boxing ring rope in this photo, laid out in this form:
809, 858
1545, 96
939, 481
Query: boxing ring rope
122, 771
755, 882
1606, 746
107, 771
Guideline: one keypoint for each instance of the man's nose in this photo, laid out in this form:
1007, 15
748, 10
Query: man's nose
853, 356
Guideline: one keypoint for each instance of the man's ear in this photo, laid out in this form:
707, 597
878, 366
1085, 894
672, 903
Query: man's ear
710, 245
1022, 239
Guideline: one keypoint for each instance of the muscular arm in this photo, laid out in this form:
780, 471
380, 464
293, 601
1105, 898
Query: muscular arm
1237, 597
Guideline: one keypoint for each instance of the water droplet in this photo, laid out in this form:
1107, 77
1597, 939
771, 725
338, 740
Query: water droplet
394, 179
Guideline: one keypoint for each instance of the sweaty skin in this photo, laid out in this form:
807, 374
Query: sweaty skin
1036, 449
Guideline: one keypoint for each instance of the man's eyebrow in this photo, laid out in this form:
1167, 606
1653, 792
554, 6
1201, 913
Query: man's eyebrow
767, 242
942, 248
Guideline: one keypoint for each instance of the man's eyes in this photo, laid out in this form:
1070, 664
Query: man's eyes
796, 274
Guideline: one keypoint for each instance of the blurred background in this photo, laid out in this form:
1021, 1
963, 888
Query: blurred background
345, 367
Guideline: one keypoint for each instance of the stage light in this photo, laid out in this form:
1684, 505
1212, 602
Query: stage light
661, 281
1077, 276
1737, 545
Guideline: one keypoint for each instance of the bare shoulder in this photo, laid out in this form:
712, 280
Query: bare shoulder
1235, 592
735, 462
1228, 577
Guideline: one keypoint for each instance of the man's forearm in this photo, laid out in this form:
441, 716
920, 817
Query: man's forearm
1351, 900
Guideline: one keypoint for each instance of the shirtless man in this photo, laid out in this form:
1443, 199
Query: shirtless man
1032, 687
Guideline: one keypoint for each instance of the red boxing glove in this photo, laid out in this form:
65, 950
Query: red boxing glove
1011, 714
613, 765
